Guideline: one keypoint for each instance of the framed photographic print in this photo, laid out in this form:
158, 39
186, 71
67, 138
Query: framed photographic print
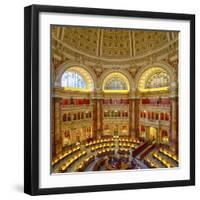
109, 100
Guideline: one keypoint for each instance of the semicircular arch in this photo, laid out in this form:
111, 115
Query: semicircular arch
165, 67
87, 73
107, 75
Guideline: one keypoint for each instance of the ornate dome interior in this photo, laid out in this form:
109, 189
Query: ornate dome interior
107, 46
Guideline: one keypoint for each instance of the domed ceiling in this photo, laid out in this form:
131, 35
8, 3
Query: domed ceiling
107, 46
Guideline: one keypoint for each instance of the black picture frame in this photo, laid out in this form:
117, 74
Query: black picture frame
31, 98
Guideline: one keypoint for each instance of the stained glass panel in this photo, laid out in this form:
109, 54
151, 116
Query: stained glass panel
115, 84
158, 80
72, 80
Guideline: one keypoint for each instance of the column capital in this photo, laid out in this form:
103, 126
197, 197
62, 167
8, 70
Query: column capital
97, 94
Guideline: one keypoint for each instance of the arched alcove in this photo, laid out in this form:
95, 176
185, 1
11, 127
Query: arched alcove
116, 82
86, 72
155, 77
120, 76
77, 78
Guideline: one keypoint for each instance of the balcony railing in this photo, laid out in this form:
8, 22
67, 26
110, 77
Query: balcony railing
154, 122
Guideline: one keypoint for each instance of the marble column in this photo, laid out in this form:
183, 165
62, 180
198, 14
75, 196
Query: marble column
53, 127
174, 116
158, 135
174, 123
137, 116
94, 118
101, 116
98, 117
131, 117
57, 126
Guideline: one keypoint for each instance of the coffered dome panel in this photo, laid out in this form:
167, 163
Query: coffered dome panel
83, 39
115, 43
149, 40
110, 45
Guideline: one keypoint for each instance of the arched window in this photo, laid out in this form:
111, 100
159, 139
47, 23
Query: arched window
158, 80
116, 84
72, 79
154, 79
